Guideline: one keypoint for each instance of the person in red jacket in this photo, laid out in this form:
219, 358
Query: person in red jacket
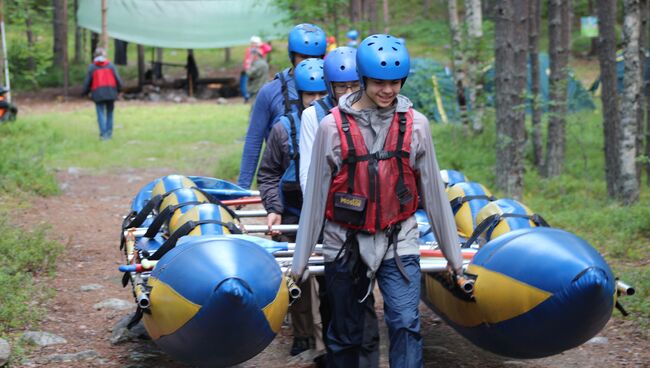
103, 83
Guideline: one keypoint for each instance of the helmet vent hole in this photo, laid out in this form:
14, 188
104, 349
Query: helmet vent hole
394, 49
381, 49
371, 43
306, 42
397, 63
316, 43
383, 63
312, 78
342, 67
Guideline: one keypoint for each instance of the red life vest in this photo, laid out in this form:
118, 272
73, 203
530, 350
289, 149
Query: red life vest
373, 191
102, 76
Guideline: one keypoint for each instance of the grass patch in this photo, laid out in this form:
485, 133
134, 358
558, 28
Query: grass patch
24, 256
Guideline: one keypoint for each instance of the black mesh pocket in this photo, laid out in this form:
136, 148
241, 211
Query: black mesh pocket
349, 209
292, 194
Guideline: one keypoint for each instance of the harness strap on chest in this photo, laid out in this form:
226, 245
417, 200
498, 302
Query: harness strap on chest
295, 156
352, 153
492, 220
403, 194
285, 96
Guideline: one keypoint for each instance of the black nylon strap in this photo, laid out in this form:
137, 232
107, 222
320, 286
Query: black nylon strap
458, 201
185, 229
294, 141
393, 234
214, 200
139, 219
352, 152
493, 220
285, 96
164, 216
323, 105
403, 194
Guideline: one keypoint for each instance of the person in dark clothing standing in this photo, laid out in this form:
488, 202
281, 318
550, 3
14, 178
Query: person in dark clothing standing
103, 83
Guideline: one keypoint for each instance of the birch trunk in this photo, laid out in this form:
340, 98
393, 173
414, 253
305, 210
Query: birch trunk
457, 56
474, 21
630, 103
511, 46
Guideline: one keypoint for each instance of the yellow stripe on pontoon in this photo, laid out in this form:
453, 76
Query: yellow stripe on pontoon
497, 298
277, 309
172, 313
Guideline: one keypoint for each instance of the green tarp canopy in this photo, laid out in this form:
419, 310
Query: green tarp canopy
184, 24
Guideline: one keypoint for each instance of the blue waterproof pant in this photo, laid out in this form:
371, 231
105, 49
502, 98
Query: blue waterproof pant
348, 330
243, 86
105, 118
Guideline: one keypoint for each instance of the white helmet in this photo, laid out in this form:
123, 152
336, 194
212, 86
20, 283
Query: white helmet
256, 40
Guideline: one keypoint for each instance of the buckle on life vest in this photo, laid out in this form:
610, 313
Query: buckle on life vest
349, 208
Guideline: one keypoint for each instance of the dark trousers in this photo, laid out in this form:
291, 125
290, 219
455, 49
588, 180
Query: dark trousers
350, 335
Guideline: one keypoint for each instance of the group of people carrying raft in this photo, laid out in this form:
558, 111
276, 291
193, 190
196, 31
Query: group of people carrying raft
349, 160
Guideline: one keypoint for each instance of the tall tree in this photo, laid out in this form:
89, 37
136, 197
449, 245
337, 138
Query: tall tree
559, 35
511, 46
60, 32
606, 10
533, 50
458, 61
78, 40
386, 16
643, 106
370, 10
631, 102
355, 11
474, 21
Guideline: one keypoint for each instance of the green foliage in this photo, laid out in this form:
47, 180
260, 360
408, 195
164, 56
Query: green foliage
24, 255
22, 166
22, 73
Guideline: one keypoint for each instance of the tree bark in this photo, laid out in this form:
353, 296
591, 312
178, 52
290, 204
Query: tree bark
386, 16
643, 105
371, 15
78, 47
533, 50
558, 29
104, 36
511, 41
606, 10
60, 33
458, 61
474, 21
426, 8
355, 12
141, 66
31, 62
227, 55
630, 103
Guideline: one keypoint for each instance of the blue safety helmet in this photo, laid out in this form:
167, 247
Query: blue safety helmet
383, 57
309, 76
340, 66
352, 34
307, 39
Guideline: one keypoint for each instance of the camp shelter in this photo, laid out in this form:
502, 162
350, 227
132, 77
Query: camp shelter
578, 97
185, 24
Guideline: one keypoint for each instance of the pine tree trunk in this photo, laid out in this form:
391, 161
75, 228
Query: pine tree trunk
78, 49
31, 62
60, 33
457, 56
141, 67
558, 29
643, 39
533, 50
606, 10
511, 46
371, 15
630, 103
355, 12
474, 20
386, 16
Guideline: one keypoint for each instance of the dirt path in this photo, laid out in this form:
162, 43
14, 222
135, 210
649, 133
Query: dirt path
86, 218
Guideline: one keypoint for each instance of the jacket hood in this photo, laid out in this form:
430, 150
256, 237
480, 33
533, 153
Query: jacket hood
346, 102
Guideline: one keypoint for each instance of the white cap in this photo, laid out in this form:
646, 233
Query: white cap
256, 40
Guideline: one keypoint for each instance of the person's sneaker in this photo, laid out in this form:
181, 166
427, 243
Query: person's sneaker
300, 344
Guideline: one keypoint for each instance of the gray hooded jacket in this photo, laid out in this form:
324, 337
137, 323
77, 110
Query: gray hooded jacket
326, 161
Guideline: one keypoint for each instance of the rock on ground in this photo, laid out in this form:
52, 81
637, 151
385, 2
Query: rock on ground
41, 338
5, 352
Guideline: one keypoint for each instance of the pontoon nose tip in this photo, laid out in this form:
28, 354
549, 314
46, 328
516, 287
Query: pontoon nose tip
594, 282
234, 289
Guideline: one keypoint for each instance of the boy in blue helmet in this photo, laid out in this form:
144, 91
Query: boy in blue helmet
375, 159
277, 180
278, 97
352, 36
